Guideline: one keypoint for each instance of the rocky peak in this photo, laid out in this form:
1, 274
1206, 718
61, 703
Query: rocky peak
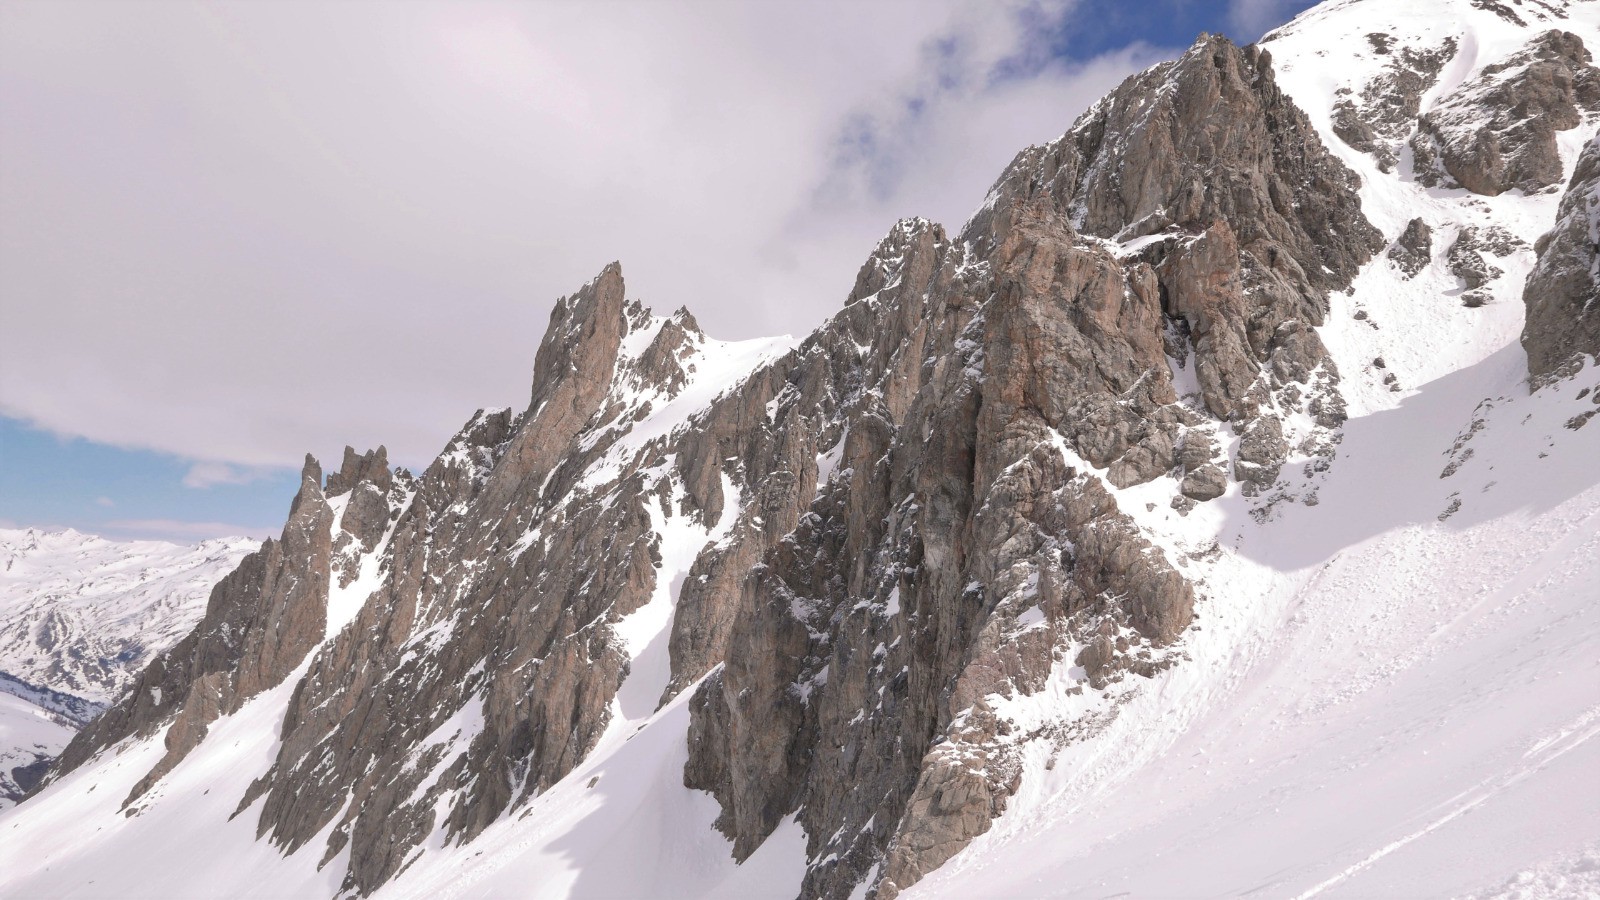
874, 583
909, 241
1204, 138
260, 622
581, 341
981, 383
1210, 192
663, 366
371, 467
310, 485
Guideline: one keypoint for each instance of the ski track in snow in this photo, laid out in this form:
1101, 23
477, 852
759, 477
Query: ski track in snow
1392, 693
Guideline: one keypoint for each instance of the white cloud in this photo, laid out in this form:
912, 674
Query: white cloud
210, 474
237, 232
105, 501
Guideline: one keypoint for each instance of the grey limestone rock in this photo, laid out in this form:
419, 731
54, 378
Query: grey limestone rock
1498, 131
1562, 293
1208, 154
372, 466
1261, 453
260, 622
1379, 119
1413, 250
1205, 483
1469, 259
1466, 260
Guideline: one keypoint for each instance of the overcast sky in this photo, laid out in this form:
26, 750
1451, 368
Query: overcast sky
233, 233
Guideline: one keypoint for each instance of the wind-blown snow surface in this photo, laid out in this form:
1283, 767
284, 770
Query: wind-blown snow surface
1393, 692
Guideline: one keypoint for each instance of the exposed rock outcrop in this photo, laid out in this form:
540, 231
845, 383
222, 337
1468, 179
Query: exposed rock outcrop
1498, 131
956, 552
909, 515
260, 622
1471, 256
1413, 250
1563, 290
1379, 119
1244, 218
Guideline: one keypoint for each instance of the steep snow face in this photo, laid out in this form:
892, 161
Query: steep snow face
1421, 327
654, 403
181, 841
1393, 692
82, 615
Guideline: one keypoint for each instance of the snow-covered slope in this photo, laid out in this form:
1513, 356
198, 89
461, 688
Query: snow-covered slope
82, 615
1390, 690
30, 735
1393, 693
79, 617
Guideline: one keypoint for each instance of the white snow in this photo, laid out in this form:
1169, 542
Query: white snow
344, 603
181, 843
647, 631
620, 825
713, 368
1362, 676
82, 614
828, 460
27, 732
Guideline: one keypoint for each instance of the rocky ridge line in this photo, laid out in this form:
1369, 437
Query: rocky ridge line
909, 513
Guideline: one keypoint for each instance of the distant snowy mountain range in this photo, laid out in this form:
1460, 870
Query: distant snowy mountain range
1215, 513
80, 617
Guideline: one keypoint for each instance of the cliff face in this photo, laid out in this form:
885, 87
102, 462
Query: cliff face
1497, 132
260, 622
966, 541
1563, 290
844, 556
903, 515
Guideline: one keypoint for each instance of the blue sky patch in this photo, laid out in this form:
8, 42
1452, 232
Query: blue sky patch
52, 482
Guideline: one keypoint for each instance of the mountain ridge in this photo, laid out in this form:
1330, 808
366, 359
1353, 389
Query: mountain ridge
866, 582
